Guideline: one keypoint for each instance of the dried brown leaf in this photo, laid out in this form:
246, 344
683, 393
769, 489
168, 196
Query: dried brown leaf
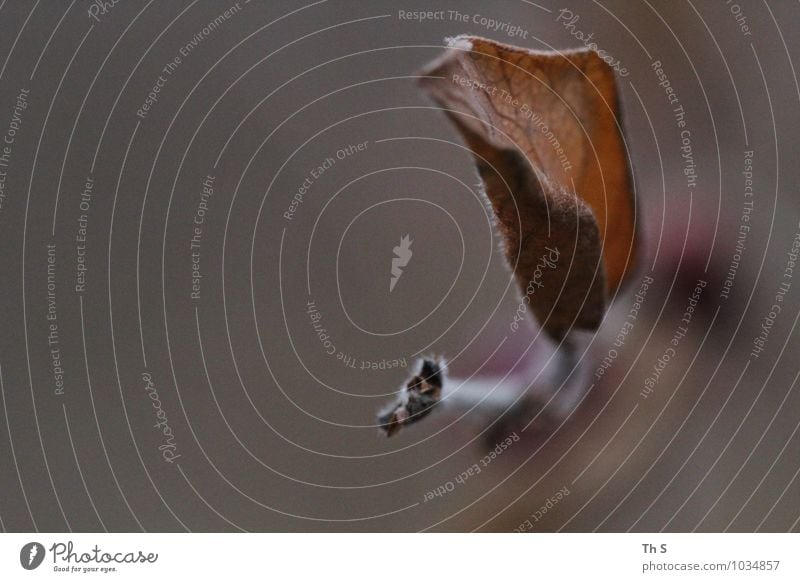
544, 131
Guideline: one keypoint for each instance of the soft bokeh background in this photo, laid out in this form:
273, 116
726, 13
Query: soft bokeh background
273, 432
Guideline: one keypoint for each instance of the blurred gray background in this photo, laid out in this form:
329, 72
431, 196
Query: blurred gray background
271, 432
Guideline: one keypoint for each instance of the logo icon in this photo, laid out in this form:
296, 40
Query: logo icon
31, 555
402, 254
